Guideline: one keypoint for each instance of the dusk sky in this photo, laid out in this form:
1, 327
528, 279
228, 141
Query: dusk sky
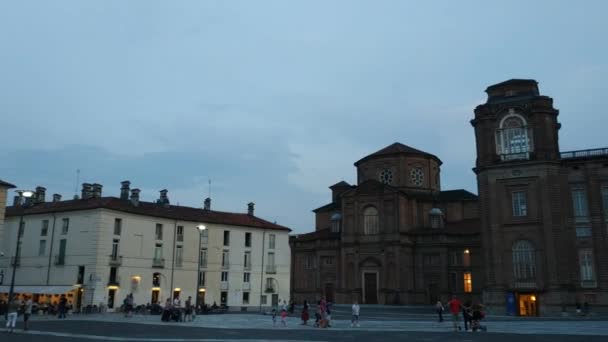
275, 100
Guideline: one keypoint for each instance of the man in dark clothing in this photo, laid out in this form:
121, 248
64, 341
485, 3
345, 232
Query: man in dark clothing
63, 302
466, 314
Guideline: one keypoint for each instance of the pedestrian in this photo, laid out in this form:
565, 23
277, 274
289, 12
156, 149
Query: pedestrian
439, 309
27, 312
318, 317
62, 307
13, 310
467, 315
305, 315
274, 317
355, 318
284, 306
189, 309
455, 307
284, 317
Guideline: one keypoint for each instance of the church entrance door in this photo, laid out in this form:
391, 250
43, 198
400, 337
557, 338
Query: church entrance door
370, 283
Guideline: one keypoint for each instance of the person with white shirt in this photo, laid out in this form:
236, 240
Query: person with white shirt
355, 319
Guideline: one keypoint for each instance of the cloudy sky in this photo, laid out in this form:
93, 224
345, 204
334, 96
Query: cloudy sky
274, 100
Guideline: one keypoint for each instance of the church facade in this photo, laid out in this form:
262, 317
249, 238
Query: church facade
533, 240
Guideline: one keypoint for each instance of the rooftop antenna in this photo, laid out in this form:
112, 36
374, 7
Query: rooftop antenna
76, 185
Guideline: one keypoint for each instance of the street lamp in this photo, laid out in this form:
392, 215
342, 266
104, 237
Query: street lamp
200, 228
22, 194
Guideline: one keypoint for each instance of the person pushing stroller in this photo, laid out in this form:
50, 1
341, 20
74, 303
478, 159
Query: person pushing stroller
476, 317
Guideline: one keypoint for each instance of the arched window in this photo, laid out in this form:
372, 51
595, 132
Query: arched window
513, 137
370, 221
524, 262
335, 222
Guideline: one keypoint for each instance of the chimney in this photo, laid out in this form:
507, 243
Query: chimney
96, 190
124, 190
250, 208
86, 191
164, 199
40, 194
135, 196
207, 205
17, 201
56, 198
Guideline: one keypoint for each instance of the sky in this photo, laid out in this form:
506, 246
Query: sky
273, 101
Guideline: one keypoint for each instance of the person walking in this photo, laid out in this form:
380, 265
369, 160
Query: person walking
62, 306
27, 312
188, 307
284, 317
355, 318
455, 307
12, 310
274, 317
305, 315
466, 314
439, 308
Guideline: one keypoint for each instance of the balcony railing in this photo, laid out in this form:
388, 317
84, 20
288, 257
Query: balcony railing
158, 262
226, 266
224, 285
246, 286
596, 152
60, 259
248, 266
269, 289
114, 281
115, 260
271, 269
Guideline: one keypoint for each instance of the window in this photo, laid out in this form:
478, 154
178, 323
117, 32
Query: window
269, 285
45, 228
205, 237
524, 262
520, 203
370, 221
159, 231
430, 259
466, 258
117, 226
513, 138
386, 176
453, 282
605, 202
245, 298
335, 222
585, 259
468, 282
579, 201
201, 278
309, 262
224, 276
583, 232
328, 260
247, 239
115, 243
417, 176
156, 279
247, 261
203, 257
42, 248
158, 251
270, 259
225, 259
226, 238
456, 258
179, 256
264, 299
65, 226
246, 277
180, 233
271, 241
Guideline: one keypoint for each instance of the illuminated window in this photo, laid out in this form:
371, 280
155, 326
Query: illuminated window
468, 282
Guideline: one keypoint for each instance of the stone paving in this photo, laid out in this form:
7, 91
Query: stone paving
259, 321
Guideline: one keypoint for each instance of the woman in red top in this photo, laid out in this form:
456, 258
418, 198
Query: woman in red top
455, 307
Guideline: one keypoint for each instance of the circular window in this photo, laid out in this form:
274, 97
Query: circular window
386, 176
417, 176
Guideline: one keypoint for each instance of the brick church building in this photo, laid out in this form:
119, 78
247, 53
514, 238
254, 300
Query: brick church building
533, 241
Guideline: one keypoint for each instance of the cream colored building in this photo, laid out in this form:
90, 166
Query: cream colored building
99, 249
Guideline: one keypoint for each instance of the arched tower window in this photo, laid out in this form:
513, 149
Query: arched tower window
370, 221
524, 262
513, 137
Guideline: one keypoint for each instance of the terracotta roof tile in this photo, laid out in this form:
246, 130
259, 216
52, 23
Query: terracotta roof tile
397, 148
149, 209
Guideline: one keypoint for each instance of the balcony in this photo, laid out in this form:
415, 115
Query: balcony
59, 259
226, 266
271, 269
114, 281
158, 262
581, 154
246, 286
269, 289
224, 285
115, 260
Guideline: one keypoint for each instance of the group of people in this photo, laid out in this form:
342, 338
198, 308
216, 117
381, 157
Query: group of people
283, 314
15, 306
323, 314
174, 311
472, 314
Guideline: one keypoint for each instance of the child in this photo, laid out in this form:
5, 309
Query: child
283, 317
355, 320
274, 317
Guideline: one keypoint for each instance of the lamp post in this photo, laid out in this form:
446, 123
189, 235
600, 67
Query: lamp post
200, 228
23, 194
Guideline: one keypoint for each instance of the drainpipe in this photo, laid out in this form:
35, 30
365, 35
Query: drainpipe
262, 269
48, 272
173, 259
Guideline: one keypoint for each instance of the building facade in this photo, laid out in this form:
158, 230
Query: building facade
544, 212
534, 242
394, 238
4, 187
97, 249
